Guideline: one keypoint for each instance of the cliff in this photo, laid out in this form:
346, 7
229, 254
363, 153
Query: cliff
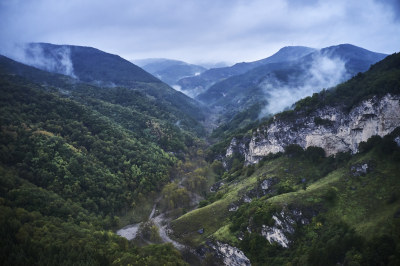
331, 128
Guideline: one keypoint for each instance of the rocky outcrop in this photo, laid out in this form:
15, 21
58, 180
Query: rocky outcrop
330, 128
263, 188
215, 187
277, 232
284, 226
397, 140
236, 146
360, 169
229, 255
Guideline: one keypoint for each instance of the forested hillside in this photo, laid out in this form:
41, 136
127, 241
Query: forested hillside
73, 158
96, 67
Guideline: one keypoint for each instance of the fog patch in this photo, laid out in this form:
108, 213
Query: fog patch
177, 88
104, 84
57, 60
189, 93
323, 72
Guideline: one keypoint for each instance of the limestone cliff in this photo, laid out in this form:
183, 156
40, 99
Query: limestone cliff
330, 128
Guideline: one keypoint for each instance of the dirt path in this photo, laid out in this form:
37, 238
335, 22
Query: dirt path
163, 231
129, 231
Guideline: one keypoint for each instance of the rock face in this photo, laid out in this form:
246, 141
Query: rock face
235, 146
359, 169
263, 188
330, 128
230, 255
397, 141
284, 226
277, 233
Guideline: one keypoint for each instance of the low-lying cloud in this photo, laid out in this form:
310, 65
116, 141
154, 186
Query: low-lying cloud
192, 93
56, 60
324, 72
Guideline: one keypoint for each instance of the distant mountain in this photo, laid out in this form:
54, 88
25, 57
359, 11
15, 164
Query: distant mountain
101, 69
279, 84
198, 84
209, 65
85, 63
169, 71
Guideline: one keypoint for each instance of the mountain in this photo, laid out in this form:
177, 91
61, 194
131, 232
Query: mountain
74, 158
102, 69
85, 63
316, 185
278, 85
151, 107
209, 65
195, 85
113, 175
337, 120
169, 71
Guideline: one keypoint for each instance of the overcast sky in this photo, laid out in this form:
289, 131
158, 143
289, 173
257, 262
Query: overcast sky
202, 30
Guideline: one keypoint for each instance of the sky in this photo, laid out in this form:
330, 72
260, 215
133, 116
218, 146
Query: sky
201, 31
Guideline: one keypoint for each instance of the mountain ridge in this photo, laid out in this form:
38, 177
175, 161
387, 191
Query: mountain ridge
293, 79
103, 70
168, 70
214, 75
326, 126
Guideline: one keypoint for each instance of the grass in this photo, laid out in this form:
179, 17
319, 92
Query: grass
209, 218
225, 235
361, 202
215, 216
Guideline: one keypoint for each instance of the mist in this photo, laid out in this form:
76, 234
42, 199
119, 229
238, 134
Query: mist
324, 72
56, 60
190, 93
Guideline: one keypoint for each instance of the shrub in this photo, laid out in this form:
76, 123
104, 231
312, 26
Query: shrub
314, 154
294, 150
373, 141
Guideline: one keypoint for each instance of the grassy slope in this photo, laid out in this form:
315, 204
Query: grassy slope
365, 208
215, 215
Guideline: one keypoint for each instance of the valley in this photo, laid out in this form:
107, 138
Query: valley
103, 163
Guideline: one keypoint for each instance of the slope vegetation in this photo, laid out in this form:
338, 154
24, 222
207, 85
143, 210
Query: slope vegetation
301, 207
74, 158
90, 65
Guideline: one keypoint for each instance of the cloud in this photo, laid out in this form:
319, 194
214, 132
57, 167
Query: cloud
393, 6
57, 60
325, 72
191, 93
207, 30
